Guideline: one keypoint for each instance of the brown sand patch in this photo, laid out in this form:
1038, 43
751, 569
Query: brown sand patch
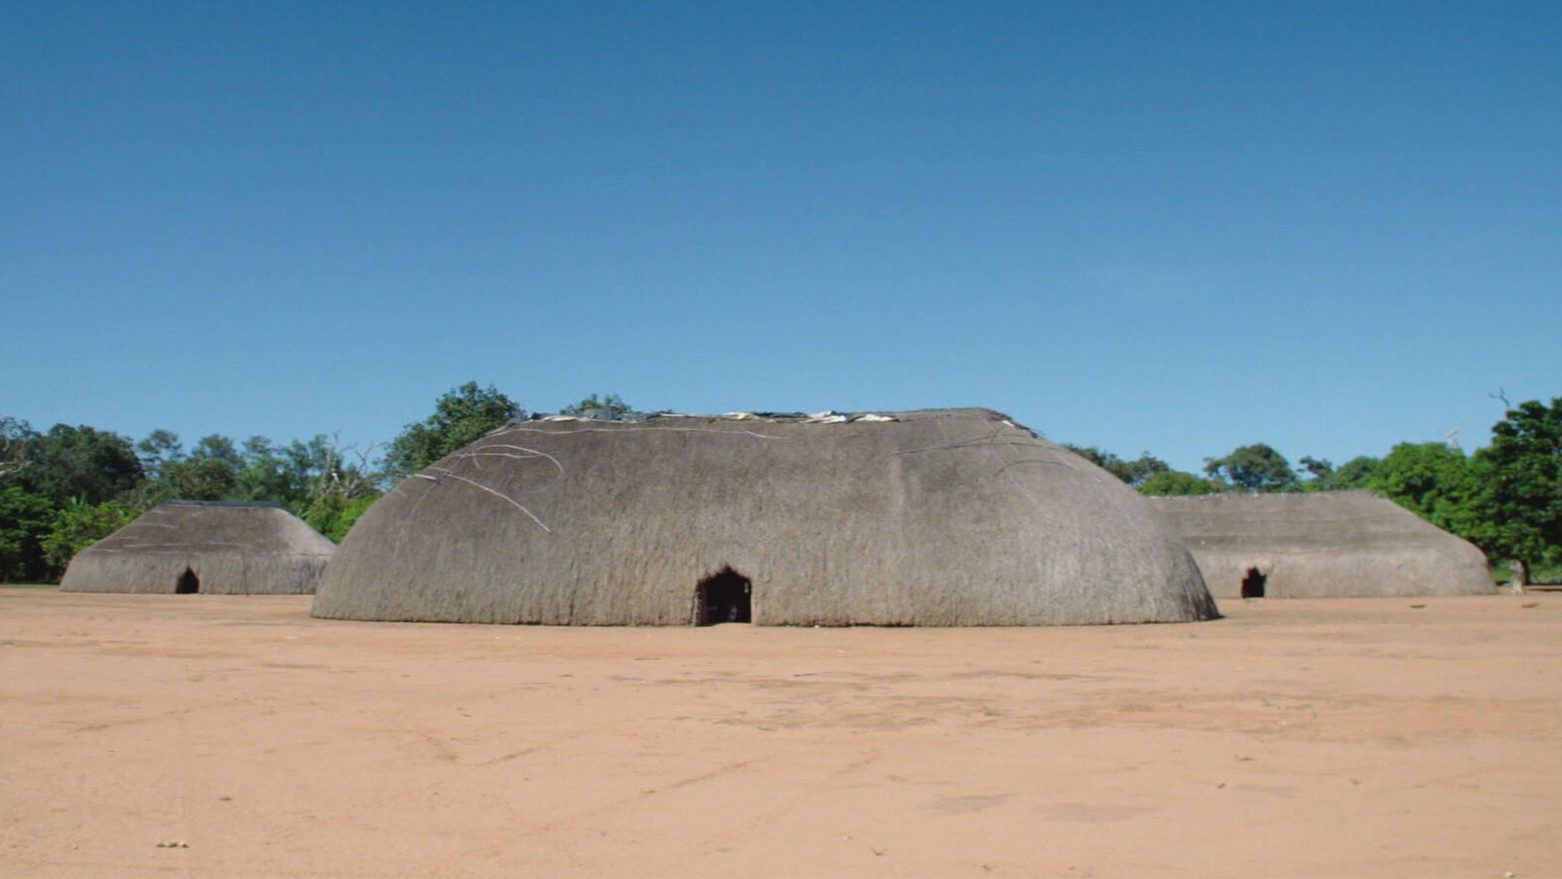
1345, 737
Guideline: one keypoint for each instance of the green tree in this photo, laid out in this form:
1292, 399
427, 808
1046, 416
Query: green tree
335, 484
23, 514
1324, 476
296, 475
1355, 473
334, 515
216, 447
1132, 473
24, 517
1433, 481
611, 406
265, 475
1253, 468
1520, 477
1169, 483
80, 461
78, 526
210, 472
460, 418
159, 448
1316, 468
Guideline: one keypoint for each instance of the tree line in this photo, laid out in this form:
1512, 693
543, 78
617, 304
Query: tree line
1505, 498
63, 489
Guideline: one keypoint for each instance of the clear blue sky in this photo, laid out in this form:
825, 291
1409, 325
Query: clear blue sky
1179, 227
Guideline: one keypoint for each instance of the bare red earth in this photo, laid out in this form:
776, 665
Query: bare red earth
1349, 737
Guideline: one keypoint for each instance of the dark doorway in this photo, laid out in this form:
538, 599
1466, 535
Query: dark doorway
1253, 584
188, 583
724, 597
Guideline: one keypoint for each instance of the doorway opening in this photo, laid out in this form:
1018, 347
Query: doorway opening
724, 597
1253, 584
188, 584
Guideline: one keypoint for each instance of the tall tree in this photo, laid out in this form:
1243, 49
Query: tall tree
1171, 483
210, 472
79, 462
460, 418
1253, 468
24, 514
1132, 473
77, 527
159, 448
1316, 468
1521, 485
24, 517
1355, 473
326, 472
1324, 476
265, 474
1434, 481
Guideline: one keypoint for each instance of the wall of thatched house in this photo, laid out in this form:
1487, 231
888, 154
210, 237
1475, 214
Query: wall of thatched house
227, 548
1322, 544
940, 517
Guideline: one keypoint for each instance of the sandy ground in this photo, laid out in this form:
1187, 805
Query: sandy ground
1356, 737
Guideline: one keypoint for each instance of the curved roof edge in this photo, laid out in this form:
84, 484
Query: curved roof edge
272, 504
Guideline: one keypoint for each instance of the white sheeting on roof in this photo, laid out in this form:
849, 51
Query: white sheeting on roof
828, 416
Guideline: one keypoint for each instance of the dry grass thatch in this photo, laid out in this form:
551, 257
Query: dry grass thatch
940, 517
208, 547
1331, 544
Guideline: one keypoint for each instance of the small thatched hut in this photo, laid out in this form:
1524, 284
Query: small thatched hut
205, 546
940, 518
1321, 545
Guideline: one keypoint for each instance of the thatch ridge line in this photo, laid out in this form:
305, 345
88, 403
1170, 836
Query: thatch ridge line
991, 439
504, 430
1321, 520
165, 549
233, 504
1330, 551
155, 546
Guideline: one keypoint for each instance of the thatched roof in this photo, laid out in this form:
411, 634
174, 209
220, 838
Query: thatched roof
1323, 544
940, 517
227, 548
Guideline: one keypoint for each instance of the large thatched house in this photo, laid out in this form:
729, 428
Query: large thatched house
205, 546
942, 517
1321, 544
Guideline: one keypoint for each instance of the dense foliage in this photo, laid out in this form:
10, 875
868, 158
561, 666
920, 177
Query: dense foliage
1432, 480
73, 486
460, 418
1175, 482
1519, 496
1505, 498
1130, 472
80, 525
24, 519
64, 489
79, 462
1253, 468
